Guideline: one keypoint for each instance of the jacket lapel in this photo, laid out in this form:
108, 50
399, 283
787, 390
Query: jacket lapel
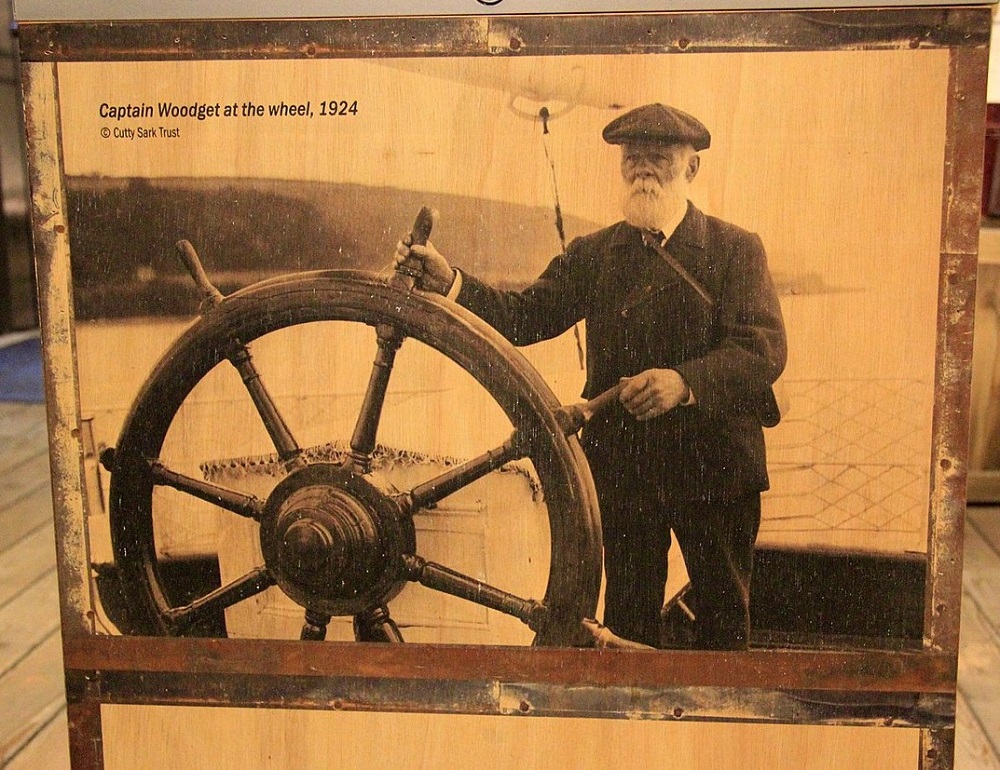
649, 272
687, 244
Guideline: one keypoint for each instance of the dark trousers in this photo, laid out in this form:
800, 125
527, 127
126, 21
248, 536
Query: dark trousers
716, 540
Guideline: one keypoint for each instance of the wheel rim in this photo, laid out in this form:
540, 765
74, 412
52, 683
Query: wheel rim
574, 573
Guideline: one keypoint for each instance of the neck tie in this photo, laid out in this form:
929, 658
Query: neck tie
656, 242
653, 237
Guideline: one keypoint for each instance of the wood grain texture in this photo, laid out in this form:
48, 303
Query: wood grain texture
25, 476
888, 253
136, 736
26, 561
974, 750
26, 514
979, 660
22, 434
524, 35
854, 479
956, 310
27, 620
984, 520
49, 748
32, 694
51, 244
873, 671
983, 584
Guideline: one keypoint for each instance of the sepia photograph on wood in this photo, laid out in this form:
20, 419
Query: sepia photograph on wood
560, 352
852, 249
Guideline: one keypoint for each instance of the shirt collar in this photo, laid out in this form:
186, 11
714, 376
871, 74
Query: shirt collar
692, 230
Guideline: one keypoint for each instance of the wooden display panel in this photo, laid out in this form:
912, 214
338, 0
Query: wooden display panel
849, 141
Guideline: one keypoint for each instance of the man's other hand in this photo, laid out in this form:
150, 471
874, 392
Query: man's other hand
653, 392
437, 275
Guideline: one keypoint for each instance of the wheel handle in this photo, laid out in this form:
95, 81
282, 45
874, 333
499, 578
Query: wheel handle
409, 272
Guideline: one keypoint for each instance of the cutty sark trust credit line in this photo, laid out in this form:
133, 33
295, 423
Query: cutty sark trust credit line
141, 132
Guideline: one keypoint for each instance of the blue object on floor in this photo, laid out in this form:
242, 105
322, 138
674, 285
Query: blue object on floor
21, 372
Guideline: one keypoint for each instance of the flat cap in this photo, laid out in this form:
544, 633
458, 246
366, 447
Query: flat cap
657, 123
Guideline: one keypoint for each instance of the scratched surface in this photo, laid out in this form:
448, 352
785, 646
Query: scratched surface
922, 698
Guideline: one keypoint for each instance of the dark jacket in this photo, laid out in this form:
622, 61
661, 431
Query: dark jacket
642, 314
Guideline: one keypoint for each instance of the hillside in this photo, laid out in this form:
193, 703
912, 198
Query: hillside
123, 232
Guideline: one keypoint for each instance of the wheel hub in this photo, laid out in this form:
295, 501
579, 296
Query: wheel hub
333, 541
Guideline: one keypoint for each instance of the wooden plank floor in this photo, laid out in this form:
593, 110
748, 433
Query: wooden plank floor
32, 695
32, 699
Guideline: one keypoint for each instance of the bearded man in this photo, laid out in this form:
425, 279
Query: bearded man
680, 306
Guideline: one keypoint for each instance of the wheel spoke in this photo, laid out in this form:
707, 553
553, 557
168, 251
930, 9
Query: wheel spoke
237, 502
369, 530
275, 424
242, 588
366, 429
376, 625
427, 573
439, 487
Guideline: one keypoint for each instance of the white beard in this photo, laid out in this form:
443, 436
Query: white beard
648, 205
